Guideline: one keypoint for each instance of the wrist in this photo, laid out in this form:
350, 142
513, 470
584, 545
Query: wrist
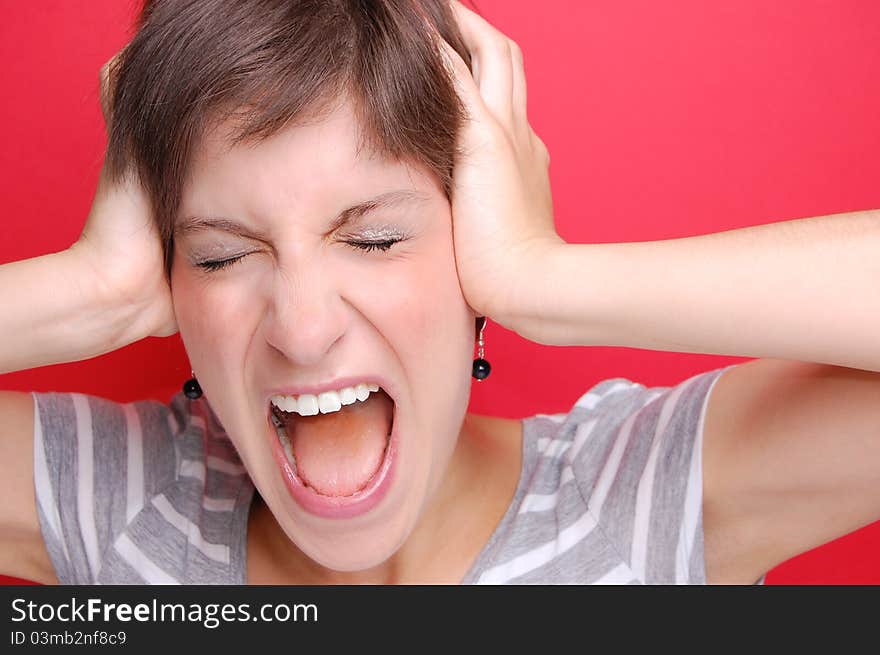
55, 312
105, 308
566, 297
530, 304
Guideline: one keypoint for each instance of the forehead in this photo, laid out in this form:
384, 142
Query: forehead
311, 162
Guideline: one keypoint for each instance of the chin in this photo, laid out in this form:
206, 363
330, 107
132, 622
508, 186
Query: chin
352, 545
355, 555
361, 530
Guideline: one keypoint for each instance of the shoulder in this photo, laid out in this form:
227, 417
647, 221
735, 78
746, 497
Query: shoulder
115, 483
621, 430
640, 471
791, 452
96, 464
22, 553
611, 489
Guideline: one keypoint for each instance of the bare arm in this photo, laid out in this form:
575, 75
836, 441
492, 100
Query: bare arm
104, 292
805, 290
87, 300
58, 308
792, 440
791, 460
22, 551
107, 290
802, 290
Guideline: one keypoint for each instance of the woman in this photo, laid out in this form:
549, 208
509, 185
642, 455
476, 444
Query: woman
326, 263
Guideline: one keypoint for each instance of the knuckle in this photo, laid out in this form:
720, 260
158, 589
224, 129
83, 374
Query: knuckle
496, 135
541, 147
499, 47
515, 50
497, 141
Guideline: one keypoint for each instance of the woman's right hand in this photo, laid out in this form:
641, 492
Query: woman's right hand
120, 245
106, 291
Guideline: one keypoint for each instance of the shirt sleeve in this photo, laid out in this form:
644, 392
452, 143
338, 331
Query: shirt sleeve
641, 473
93, 470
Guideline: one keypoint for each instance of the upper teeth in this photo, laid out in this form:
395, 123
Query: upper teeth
328, 401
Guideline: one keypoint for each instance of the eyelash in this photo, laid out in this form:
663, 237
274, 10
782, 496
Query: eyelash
370, 246
367, 246
218, 264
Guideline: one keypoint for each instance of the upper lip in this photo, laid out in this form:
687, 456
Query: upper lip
334, 385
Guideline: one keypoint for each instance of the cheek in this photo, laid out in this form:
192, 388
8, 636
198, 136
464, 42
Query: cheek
432, 325
420, 301
213, 314
415, 303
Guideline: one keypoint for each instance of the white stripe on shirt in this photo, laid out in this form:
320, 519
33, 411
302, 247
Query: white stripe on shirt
693, 502
43, 483
217, 552
173, 426
620, 574
543, 502
582, 433
551, 447
543, 554
197, 421
136, 559
612, 464
192, 468
590, 399
217, 464
644, 493
134, 500
553, 418
568, 537
687, 530
218, 504
85, 475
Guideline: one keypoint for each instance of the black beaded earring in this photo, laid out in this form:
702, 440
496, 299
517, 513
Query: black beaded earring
191, 388
481, 368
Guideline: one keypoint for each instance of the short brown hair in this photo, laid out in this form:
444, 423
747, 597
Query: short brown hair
269, 64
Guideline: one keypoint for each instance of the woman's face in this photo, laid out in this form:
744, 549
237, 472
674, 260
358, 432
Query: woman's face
305, 309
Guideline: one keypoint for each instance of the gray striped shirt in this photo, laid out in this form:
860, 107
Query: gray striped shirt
610, 492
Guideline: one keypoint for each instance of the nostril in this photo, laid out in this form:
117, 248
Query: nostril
304, 326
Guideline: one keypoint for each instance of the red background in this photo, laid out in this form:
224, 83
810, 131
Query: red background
664, 119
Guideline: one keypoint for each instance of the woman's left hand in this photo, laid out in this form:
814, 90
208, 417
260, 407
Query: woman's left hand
502, 210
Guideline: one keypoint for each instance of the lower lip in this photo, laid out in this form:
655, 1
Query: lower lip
339, 507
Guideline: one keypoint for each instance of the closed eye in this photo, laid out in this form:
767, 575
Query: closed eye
370, 246
218, 264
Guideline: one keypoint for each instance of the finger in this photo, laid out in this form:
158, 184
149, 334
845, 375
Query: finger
519, 88
465, 85
539, 146
492, 54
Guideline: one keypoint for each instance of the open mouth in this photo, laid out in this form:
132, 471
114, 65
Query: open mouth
335, 447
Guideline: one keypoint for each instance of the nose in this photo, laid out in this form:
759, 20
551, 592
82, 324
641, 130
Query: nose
306, 316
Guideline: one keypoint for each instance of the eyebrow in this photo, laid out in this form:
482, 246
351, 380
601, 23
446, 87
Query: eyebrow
350, 215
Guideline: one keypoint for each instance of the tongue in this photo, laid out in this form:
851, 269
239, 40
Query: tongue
337, 453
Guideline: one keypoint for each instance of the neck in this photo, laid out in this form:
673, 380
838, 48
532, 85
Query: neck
465, 510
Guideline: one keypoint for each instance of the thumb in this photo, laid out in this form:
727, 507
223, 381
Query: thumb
464, 82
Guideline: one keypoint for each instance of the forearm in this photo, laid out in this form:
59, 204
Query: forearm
806, 289
56, 309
